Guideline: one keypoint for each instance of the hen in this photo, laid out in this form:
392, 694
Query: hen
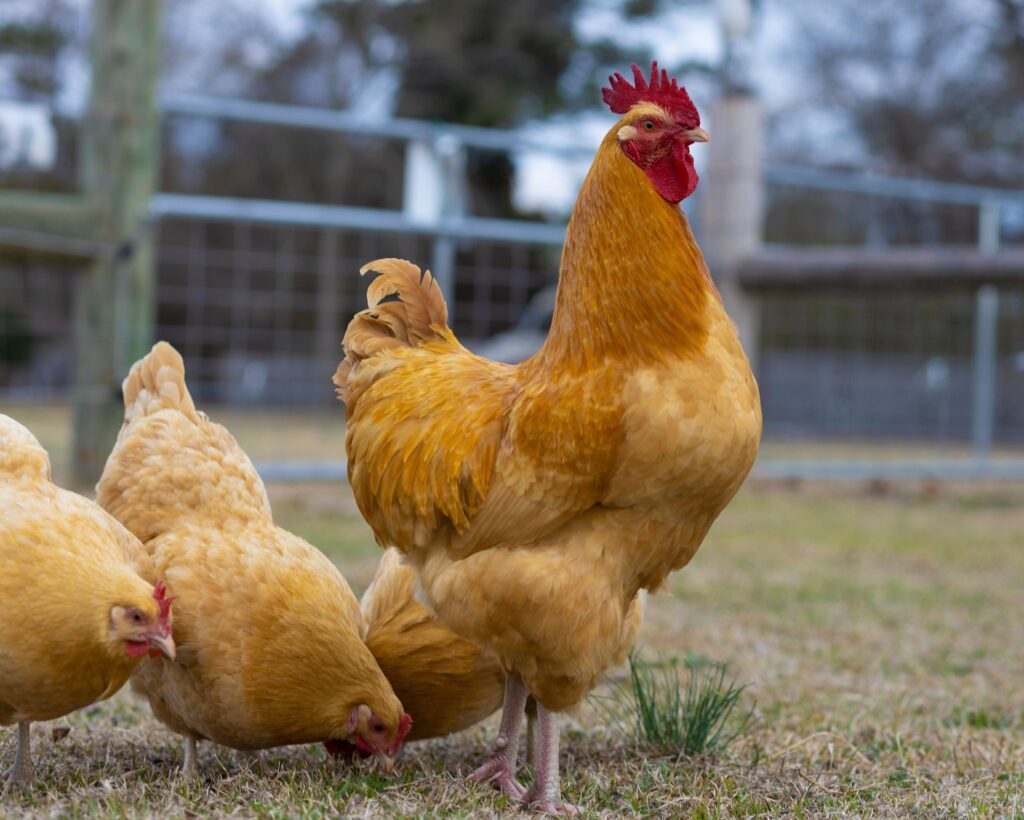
537, 500
76, 618
445, 682
269, 633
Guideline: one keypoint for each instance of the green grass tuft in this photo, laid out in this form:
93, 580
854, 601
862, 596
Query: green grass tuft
698, 719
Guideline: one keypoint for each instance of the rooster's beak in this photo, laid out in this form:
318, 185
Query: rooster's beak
165, 644
697, 135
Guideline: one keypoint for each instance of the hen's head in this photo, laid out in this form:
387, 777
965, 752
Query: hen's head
371, 734
144, 625
659, 125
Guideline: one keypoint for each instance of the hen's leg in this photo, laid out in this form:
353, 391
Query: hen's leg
20, 774
545, 794
188, 763
256, 763
500, 770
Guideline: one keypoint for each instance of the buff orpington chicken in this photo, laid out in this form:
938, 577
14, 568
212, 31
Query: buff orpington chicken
270, 645
536, 501
445, 682
76, 617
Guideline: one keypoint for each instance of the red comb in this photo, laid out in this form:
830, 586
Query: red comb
660, 90
404, 726
164, 602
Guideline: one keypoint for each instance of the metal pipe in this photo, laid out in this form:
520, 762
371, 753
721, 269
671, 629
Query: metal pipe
325, 119
895, 187
297, 116
767, 469
986, 318
344, 216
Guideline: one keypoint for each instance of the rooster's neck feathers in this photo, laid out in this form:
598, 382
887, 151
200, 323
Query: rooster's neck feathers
633, 284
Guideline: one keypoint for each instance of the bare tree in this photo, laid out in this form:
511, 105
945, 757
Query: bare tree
932, 88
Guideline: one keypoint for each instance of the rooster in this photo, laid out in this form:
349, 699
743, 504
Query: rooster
537, 501
76, 617
270, 636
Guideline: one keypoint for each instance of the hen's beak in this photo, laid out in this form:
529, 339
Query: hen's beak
388, 760
165, 645
697, 135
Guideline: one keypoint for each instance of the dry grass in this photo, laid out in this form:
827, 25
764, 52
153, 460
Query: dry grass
882, 638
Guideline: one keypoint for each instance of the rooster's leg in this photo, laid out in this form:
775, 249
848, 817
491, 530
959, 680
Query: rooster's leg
20, 774
545, 794
532, 740
500, 770
188, 763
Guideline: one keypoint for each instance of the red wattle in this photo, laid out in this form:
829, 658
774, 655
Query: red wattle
673, 175
136, 649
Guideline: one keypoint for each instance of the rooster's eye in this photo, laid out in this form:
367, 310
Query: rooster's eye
648, 125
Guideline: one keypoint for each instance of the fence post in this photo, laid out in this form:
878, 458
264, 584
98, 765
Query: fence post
732, 205
983, 406
114, 303
989, 217
434, 191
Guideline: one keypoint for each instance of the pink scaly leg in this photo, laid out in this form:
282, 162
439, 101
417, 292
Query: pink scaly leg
20, 773
546, 794
500, 770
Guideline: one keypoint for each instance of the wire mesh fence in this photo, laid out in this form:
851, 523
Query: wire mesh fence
258, 308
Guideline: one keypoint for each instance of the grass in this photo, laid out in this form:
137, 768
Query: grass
881, 636
694, 720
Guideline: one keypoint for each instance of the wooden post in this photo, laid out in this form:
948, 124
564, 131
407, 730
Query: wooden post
731, 207
115, 300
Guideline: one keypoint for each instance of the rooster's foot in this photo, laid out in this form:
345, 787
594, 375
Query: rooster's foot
556, 807
499, 774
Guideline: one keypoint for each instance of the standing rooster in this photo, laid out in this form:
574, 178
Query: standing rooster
536, 501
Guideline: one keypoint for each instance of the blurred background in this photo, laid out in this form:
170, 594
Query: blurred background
214, 174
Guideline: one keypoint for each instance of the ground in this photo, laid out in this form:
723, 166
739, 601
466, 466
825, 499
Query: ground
881, 636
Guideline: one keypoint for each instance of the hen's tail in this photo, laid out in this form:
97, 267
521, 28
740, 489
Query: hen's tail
406, 308
157, 382
170, 462
22, 457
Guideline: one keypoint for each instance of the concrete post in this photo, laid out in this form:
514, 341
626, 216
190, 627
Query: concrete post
732, 197
434, 190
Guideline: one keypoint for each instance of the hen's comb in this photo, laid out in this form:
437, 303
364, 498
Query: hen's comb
164, 601
660, 90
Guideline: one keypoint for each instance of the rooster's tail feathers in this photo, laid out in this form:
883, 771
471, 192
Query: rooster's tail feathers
405, 309
157, 382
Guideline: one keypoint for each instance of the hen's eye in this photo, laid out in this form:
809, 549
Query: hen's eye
648, 125
378, 727
137, 617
